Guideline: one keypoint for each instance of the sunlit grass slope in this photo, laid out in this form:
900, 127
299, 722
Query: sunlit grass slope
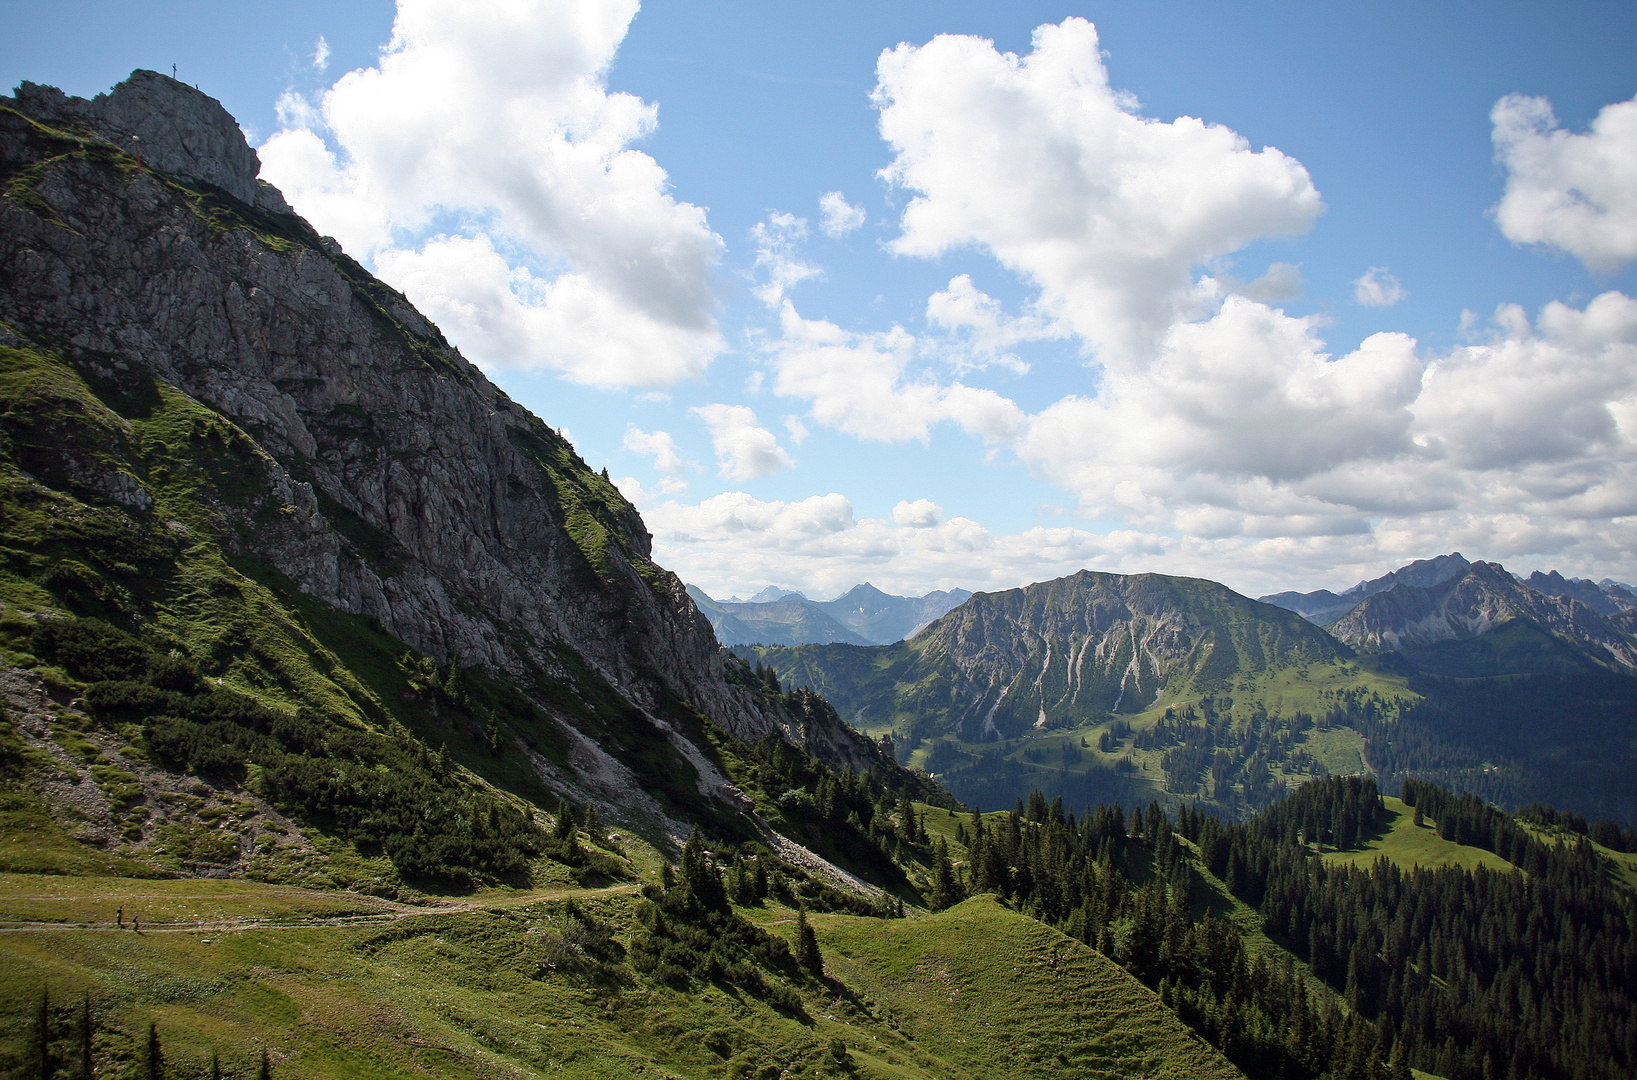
1410, 845
993, 993
341, 985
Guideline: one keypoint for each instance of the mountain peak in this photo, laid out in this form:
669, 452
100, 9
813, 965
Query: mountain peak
175, 127
773, 593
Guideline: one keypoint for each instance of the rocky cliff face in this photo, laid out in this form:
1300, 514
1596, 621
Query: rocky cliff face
390, 478
1486, 604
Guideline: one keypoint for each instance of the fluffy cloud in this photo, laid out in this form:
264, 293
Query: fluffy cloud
504, 316
1574, 192
778, 243
733, 544
872, 386
744, 449
1378, 288
837, 216
498, 117
1039, 161
981, 330
920, 514
655, 444
1243, 427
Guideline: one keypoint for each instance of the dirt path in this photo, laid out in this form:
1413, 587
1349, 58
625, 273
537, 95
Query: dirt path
393, 912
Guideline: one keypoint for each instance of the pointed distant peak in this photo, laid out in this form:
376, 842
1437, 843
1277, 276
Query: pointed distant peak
774, 593
860, 592
1422, 573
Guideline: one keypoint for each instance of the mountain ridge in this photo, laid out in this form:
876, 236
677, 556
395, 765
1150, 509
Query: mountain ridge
863, 615
349, 463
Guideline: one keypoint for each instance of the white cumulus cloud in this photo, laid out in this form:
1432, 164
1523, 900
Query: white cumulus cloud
778, 244
982, 330
1378, 287
920, 514
734, 544
499, 117
872, 386
1039, 161
744, 449
1574, 192
837, 216
1244, 427
657, 445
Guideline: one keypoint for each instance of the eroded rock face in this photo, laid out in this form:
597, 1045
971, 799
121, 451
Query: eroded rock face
1095, 643
399, 483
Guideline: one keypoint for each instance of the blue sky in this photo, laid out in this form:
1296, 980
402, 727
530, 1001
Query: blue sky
1049, 325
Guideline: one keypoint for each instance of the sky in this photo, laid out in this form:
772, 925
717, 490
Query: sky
979, 294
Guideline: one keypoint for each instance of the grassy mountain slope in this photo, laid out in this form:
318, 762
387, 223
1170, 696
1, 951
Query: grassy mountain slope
994, 993
1067, 686
1055, 654
349, 987
1410, 845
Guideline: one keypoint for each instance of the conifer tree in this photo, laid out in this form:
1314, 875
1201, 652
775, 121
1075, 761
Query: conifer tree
700, 876
565, 822
266, 1070
808, 957
946, 890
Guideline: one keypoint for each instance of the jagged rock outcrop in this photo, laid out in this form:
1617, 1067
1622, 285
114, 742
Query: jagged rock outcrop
390, 478
1059, 652
1542, 631
1612, 599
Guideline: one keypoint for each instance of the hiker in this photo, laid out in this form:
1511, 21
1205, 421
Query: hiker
119, 916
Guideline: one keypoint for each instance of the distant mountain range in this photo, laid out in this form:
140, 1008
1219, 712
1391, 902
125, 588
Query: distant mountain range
864, 615
1607, 597
1095, 685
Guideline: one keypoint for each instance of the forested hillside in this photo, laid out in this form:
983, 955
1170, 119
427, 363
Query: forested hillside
1468, 973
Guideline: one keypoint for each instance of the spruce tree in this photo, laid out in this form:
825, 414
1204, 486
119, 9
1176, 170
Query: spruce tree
266, 1070
945, 890
700, 876
565, 822
808, 957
